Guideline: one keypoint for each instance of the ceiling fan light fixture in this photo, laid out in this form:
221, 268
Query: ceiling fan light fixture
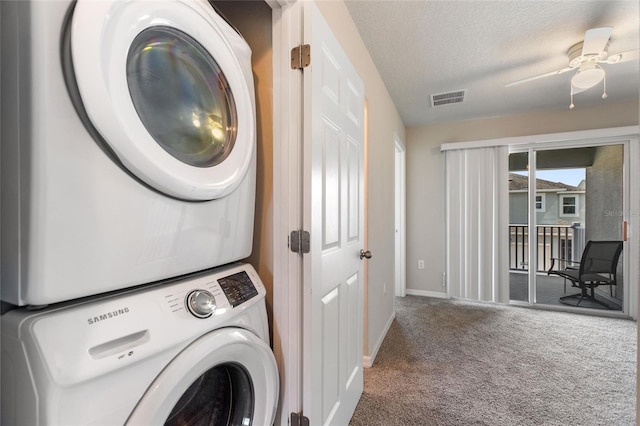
586, 78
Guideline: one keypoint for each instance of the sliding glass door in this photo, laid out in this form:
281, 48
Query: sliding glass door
559, 199
519, 226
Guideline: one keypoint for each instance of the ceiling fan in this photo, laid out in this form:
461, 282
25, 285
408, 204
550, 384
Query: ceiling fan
586, 57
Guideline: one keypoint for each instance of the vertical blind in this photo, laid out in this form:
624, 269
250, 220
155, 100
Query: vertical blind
477, 182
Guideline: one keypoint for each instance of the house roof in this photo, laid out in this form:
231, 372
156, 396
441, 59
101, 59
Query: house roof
519, 182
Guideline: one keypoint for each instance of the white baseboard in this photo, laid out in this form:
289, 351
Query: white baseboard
424, 293
368, 359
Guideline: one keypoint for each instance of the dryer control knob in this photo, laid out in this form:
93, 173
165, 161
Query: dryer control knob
201, 303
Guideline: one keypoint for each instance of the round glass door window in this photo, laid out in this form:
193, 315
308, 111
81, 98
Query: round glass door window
181, 96
221, 396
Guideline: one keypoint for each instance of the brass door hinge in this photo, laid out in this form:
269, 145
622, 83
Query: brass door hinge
300, 57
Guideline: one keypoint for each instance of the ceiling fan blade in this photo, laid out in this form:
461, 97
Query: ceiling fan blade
595, 40
535, 77
629, 55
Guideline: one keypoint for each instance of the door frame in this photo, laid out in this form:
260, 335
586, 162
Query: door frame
400, 217
287, 205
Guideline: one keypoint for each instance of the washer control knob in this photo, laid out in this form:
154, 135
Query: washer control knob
201, 303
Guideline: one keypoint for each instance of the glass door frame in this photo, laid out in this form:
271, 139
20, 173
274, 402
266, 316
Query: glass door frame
631, 207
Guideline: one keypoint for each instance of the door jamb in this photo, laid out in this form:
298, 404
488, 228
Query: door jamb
400, 219
287, 205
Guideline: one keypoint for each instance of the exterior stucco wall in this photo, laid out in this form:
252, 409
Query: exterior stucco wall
605, 202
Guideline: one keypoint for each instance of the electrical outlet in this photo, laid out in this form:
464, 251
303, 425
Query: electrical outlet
384, 288
420, 264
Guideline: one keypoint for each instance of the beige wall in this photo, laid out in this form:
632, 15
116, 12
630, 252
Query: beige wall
253, 21
383, 121
425, 174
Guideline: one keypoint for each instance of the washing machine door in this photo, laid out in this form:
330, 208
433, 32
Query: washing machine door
227, 377
168, 86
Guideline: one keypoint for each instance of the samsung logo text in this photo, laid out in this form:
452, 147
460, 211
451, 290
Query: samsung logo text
108, 315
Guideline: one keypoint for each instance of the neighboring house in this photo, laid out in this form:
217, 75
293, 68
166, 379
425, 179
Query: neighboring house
556, 203
560, 220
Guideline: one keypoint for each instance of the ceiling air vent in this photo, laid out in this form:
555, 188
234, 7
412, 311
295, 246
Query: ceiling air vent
454, 97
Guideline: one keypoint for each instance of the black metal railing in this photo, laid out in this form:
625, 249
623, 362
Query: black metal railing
552, 241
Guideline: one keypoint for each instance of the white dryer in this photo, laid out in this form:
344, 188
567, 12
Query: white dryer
128, 145
194, 351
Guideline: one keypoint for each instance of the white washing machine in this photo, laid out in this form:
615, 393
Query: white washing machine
194, 351
128, 145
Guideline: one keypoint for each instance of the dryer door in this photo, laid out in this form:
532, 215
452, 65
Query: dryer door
169, 87
227, 377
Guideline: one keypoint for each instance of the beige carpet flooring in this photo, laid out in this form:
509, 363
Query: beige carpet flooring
447, 362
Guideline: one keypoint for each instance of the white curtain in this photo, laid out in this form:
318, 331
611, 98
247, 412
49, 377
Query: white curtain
477, 182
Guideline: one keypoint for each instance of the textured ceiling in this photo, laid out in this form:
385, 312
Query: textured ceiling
429, 47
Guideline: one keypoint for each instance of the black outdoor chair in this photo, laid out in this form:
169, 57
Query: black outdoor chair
596, 268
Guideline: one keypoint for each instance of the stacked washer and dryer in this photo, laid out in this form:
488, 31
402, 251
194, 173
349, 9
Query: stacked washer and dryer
128, 191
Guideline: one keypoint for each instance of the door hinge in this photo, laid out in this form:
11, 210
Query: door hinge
300, 242
297, 419
300, 57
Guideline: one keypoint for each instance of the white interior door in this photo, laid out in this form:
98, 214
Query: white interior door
333, 213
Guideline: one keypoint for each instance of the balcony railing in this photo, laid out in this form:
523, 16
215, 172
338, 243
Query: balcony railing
557, 241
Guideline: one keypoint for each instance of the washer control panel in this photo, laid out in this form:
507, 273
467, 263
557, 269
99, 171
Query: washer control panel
214, 294
238, 288
106, 333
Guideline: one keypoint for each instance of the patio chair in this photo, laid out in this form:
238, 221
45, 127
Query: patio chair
597, 267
